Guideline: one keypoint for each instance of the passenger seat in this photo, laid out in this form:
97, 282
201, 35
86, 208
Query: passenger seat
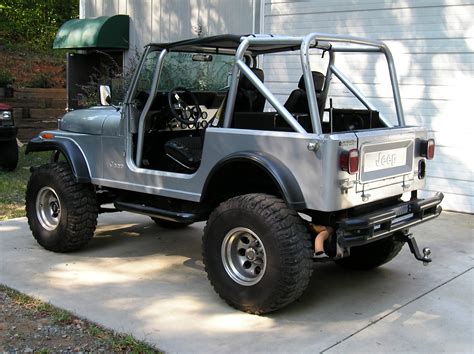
297, 102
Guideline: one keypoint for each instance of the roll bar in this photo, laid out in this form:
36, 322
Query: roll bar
313, 40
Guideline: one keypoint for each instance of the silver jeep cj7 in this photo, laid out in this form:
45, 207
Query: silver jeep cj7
282, 186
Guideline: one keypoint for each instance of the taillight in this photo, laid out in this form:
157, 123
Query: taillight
427, 149
349, 161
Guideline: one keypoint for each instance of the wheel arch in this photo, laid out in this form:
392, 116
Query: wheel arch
71, 152
245, 169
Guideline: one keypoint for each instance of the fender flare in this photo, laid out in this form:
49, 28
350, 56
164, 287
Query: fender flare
69, 149
279, 173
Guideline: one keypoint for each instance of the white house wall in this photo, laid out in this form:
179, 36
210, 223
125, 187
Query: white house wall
167, 20
433, 44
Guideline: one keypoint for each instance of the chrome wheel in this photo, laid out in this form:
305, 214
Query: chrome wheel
48, 208
243, 256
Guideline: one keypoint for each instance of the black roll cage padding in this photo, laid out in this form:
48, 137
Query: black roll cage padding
69, 149
281, 176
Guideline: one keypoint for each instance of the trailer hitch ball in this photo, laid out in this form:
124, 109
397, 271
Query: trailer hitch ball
425, 258
426, 255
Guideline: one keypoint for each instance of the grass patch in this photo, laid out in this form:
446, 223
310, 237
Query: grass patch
36, 306
123, 343
61, 316
117, 342
13, 184
44, 351
97, 331
126, 343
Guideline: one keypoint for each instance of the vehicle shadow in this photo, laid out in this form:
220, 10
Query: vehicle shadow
341, 294
333, 290
143, 239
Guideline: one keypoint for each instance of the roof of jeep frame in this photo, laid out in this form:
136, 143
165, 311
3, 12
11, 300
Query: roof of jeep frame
224, 41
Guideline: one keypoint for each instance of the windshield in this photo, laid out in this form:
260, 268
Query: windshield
195, 71
145, 77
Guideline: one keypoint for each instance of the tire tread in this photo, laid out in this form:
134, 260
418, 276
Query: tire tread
81, 205
294, 246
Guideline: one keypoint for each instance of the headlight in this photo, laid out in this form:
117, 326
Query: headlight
6, 115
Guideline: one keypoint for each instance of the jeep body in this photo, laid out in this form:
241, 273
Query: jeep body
179, 153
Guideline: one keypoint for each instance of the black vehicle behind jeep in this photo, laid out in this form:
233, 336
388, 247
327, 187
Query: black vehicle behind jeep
8, 144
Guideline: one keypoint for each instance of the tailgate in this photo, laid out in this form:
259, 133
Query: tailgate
388, 158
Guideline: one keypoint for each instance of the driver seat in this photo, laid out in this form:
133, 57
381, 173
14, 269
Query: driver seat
187, 151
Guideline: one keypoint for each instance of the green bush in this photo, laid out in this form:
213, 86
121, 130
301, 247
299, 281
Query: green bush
109, 73
5, 78
41, 80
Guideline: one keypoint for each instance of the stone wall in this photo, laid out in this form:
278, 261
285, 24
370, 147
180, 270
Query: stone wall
36, 109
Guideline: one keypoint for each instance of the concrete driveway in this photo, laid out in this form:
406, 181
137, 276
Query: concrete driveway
137, 278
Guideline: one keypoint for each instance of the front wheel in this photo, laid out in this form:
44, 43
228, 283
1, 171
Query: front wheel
62, 214
257, 253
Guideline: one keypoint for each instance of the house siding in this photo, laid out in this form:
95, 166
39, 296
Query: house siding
165, 20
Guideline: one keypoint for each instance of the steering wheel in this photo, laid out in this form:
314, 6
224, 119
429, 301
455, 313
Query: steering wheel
182, 110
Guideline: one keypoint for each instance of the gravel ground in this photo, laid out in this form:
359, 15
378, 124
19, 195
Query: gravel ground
29, 325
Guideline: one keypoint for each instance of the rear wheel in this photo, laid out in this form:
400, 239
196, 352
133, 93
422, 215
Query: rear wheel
9, 155
373, 254
257, 253
62, 214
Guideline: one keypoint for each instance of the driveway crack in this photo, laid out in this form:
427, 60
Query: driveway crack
395, 310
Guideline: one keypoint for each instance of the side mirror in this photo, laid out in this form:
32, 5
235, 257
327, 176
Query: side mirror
104, 92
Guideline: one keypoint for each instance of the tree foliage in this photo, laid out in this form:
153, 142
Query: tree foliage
34, 22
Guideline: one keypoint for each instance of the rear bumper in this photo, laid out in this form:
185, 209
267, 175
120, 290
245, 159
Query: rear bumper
371, 227
8, 133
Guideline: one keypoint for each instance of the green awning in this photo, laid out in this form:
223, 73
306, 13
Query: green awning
106, 32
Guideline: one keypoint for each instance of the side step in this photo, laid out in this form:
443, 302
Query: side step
180, 217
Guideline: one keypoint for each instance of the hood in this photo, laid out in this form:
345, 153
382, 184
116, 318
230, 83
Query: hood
87, 121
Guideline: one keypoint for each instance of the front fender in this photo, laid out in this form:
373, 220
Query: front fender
279, 173
69, 149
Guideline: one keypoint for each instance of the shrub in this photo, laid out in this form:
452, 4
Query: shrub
109, 73
41, 80
5, 78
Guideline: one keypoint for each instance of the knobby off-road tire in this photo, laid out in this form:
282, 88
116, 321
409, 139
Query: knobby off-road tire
372, 255
62, 214
168, 224
257, 253
9, 155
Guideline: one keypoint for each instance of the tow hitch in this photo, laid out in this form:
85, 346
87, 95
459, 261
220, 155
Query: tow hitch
425, 258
